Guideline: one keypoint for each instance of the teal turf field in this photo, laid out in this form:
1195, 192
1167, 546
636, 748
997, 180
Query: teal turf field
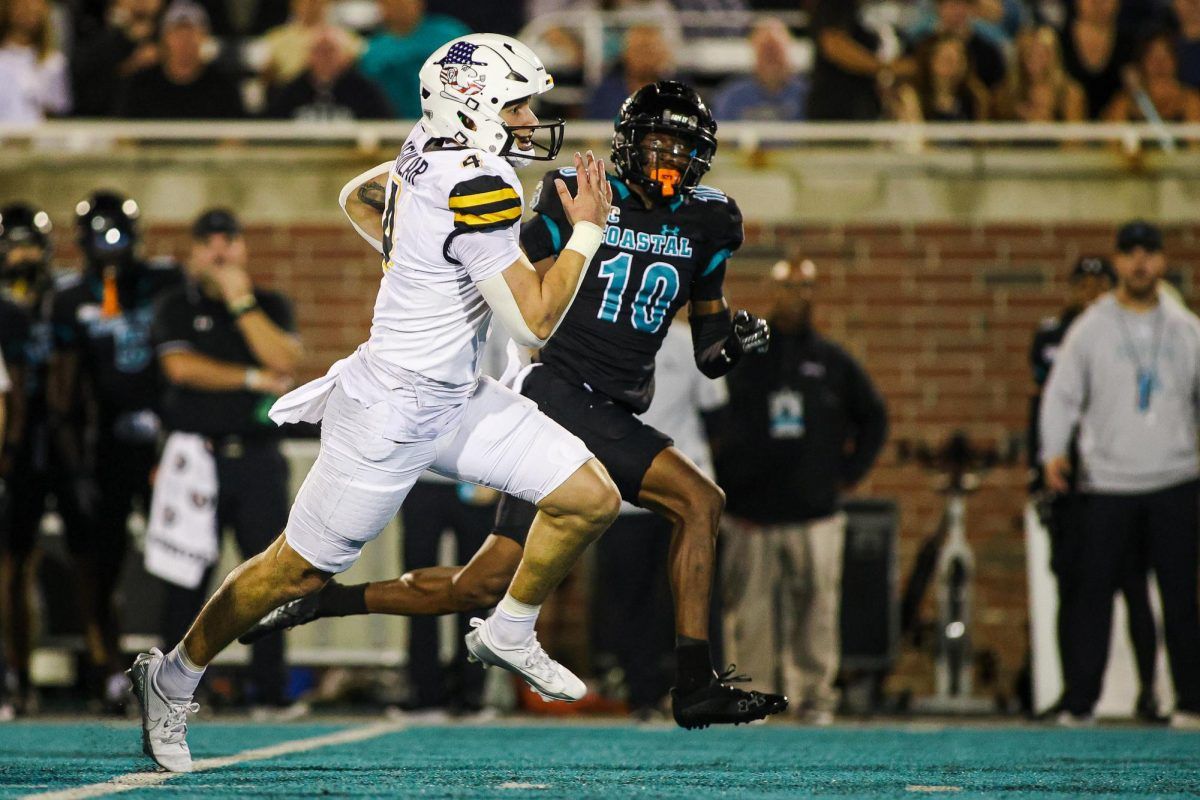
616, 761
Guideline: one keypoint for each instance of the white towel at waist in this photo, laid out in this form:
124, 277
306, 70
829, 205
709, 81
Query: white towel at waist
182, 538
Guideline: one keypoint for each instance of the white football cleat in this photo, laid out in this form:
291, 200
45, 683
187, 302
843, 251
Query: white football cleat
164, 721
544, 675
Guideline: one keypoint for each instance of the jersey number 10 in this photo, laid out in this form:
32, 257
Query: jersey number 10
660, 285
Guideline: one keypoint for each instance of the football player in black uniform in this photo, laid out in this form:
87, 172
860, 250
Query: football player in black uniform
105, 388
667, 242
26, 466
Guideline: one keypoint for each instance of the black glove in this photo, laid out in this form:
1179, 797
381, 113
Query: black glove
750, 334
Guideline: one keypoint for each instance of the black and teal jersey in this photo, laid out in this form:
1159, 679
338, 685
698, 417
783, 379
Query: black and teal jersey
653, 261
115, 352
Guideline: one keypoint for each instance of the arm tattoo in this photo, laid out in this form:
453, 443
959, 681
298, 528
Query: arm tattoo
371, 194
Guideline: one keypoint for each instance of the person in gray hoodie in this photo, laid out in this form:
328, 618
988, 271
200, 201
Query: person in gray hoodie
1128, 377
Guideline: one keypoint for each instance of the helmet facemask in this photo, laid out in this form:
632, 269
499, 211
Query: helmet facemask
666, 161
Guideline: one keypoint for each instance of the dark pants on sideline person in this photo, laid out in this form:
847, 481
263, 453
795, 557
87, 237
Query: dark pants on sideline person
122, 482
632, 606
252, 499
1169, 519
430, 510
1068, 538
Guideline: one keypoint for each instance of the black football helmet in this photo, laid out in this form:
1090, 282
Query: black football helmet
107, 227
674, 109
22, 225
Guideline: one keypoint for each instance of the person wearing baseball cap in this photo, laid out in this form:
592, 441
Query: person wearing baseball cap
227, 349
185, 85
1127, 377
1091, 277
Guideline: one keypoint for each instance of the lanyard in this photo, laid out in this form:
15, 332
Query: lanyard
1147, 376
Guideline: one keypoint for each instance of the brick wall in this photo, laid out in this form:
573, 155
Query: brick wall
941, 316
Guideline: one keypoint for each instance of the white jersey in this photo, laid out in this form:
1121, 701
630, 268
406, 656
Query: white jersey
452, 219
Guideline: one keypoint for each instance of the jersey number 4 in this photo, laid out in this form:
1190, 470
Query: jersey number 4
660, 285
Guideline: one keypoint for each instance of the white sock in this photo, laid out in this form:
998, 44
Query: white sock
178, 677
512, 624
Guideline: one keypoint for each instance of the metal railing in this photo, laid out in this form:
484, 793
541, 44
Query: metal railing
93, 136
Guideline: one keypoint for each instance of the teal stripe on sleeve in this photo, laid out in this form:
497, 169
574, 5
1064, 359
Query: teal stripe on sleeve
718, 258
555, 233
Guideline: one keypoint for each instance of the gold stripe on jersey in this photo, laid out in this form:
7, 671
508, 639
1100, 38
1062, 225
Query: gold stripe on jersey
479, 220
484, 198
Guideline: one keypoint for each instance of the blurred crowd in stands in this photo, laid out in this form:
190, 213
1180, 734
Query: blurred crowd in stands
841, 60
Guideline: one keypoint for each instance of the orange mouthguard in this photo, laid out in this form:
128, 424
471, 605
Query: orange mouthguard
669, 178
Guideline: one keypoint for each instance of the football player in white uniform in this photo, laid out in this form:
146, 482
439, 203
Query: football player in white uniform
411, 398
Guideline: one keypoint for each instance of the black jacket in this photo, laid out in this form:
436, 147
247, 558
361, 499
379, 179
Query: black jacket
803, 422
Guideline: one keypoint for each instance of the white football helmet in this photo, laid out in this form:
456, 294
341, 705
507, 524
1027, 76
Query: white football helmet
465, 84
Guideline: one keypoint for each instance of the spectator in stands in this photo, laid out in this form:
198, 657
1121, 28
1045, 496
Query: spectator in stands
504, 18
957, 18
395, 54
32, 70
289, 46
774, 91
1128, 377
1187, 44
646, 58
331, 88
1095, 50
184, 85
713, 18
1038, 88
946, 89
104, 60
804, 424
1154, 84
849, 69
227, 350
999, 21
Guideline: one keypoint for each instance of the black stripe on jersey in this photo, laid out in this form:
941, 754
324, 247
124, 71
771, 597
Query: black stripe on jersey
484, 196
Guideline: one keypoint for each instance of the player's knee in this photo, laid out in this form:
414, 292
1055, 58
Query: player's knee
288, 573
602, 504
702, 506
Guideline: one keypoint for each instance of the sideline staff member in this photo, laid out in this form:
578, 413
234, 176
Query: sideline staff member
227, 350
1129, 376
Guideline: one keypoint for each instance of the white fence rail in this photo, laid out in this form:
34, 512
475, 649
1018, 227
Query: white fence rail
99, 136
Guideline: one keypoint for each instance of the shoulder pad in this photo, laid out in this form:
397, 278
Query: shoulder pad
484, 202
545, 196
708, 194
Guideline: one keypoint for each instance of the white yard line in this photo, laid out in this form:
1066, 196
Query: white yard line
140, 780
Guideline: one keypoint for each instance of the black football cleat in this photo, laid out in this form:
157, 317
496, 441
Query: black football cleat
718, 703
288, 615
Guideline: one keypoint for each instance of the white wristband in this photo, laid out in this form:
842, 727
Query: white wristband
586, 239
250, 380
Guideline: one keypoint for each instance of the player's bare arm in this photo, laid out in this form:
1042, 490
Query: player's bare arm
362, 200
543, 298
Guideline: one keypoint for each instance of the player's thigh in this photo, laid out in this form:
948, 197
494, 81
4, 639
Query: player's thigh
674, 485
357, 484
504, 442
